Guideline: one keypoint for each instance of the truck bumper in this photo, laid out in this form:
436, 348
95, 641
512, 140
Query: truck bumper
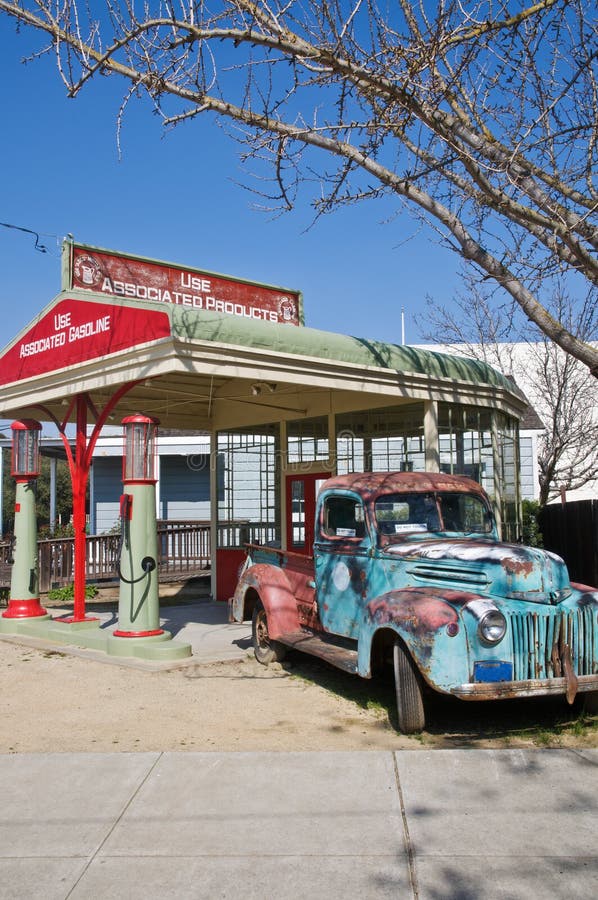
541, 687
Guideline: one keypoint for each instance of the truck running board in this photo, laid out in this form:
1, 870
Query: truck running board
336, 654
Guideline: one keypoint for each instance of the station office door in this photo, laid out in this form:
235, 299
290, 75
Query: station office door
302, 491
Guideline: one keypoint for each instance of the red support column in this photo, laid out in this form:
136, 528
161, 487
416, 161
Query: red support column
79, 464
79, 490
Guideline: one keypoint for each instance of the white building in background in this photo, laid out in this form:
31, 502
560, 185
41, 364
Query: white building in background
519, 360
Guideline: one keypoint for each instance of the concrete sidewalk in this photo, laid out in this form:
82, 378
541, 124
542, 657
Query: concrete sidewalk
413, 824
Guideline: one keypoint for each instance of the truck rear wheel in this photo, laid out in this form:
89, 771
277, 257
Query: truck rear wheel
266, 651
410, 704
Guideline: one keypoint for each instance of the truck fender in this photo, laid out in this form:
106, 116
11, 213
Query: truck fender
419, 616
270, 585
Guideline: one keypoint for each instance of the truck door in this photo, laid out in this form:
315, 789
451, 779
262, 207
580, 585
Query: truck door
342, 562
302, 491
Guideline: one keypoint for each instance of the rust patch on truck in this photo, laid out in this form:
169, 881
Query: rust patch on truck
570, 676
417, 611
517, 566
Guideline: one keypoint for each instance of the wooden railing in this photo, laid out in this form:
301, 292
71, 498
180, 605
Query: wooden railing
237, 534
5, 567
184, 547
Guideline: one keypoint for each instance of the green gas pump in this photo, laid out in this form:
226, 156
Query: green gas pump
138, 607
25, 469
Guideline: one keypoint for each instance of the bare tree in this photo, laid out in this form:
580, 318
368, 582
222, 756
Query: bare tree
478, 115
558, 387
568, 449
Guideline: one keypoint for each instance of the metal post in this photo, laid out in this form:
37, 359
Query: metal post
431, 439
1, 491
213, 513
497, 459
79, 486
52, 494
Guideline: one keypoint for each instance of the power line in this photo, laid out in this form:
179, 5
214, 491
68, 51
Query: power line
41, 248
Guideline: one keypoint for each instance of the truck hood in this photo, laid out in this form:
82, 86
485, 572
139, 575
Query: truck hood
506, 570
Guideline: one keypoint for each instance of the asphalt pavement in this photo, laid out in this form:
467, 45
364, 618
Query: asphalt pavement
429, 824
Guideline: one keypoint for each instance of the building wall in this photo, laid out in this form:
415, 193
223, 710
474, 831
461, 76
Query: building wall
105, 490
183, 490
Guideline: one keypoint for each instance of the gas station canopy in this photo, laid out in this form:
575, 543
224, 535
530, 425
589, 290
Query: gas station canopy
203, 370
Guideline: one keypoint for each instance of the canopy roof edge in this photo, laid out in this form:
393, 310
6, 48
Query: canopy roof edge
184, 352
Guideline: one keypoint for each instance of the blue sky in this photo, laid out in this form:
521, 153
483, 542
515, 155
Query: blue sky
173, 197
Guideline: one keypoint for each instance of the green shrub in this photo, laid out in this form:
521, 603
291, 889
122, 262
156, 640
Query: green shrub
60, 531
530, 530
66, 594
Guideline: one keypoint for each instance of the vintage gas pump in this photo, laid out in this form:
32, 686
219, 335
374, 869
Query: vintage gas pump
25, 469
138, 608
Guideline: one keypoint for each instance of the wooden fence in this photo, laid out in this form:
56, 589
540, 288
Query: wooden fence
184, 548
571, 530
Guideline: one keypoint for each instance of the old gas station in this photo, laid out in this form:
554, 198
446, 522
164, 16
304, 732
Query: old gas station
151, 344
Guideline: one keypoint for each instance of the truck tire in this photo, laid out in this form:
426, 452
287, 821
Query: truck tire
410, 704
265, 650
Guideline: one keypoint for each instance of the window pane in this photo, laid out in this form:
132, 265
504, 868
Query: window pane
390, 439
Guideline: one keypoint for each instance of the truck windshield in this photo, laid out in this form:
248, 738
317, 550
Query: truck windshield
446, 511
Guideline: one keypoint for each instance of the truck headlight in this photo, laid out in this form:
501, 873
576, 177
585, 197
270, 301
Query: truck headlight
492, 627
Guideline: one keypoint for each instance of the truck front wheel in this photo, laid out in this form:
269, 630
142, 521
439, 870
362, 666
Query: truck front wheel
266, 651
410, 704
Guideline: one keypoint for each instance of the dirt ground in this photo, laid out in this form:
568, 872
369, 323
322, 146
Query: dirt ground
57, 702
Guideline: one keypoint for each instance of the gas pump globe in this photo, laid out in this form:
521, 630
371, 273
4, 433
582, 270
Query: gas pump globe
139, 451
138, 610
25, 449
25, 469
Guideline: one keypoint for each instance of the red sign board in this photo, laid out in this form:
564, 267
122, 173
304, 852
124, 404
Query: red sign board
75, 331
135, 278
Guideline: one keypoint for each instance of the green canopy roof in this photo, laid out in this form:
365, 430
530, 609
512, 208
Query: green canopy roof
303, 341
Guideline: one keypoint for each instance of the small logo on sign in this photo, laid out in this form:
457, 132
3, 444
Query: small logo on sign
287, 311
87, 271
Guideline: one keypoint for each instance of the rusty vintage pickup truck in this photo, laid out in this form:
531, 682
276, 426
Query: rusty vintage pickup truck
408, 573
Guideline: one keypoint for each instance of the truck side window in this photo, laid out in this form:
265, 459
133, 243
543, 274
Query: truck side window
343, 517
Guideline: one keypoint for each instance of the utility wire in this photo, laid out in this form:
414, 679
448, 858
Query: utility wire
41, 248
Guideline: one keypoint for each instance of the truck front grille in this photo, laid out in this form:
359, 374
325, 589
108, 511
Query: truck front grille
538, 642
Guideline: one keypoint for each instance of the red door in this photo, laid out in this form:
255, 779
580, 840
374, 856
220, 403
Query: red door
302, 491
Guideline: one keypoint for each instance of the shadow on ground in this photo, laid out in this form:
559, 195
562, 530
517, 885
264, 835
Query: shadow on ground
544, 721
